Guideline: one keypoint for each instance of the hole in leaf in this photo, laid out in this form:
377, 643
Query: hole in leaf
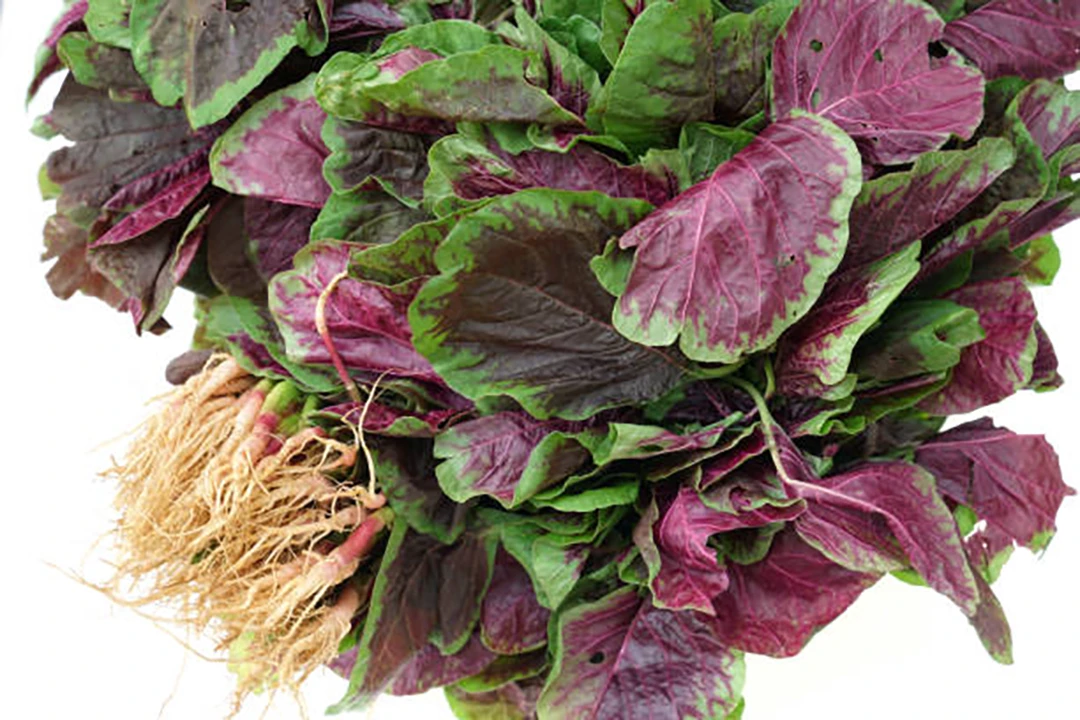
652, 448
236, 5
815, 99
816, 45
878, 56
937, 50
596, 658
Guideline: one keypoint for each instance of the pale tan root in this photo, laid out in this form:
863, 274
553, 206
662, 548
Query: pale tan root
236, 543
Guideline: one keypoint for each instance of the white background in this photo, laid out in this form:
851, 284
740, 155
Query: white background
75, 375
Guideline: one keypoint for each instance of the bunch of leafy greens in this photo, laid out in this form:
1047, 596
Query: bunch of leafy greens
669, 301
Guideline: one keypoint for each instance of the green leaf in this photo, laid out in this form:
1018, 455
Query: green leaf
708, 146
662, 78
742, 48
99, 66
496, 83
107, 22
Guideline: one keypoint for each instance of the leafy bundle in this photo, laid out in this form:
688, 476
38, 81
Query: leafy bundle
648, 316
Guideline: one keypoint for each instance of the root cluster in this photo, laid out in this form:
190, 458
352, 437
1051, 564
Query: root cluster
244, 525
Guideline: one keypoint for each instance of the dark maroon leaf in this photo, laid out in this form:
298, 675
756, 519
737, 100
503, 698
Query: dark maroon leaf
363, 18
276, 232
865, 66
117, 144
511, 620
1045, 375
425, 591
429, 668
1029, 38
360, 153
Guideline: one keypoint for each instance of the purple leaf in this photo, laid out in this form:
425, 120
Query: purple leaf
881, 516
1029, 38
474, 170
511, 620
729, 264
170, 203
363, 18
865, 66
366, 321
1000, 364
509, 456
818, 348
1051, 114
1011, 481
1045, 375
430, 668
275, 150
276, 232
687, 574
775, 606
622, 657
897, 209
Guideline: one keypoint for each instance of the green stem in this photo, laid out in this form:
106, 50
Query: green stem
283, 398
767, 423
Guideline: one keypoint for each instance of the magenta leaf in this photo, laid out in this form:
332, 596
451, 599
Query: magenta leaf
731, 263
170, 203
430, 668
1011, 481
1029, 38
865, 66
365, 320
508, 456
817, 349
883, 516
1002, 362
775, 606
1051, 114
47, 62
275, 150
621, 656
276, 232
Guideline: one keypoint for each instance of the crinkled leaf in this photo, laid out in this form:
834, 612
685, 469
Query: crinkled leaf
775, 606
507, 456
916, 338
511, 620
819, 346
732, 262
425, 590
572, 82
518, 312
1011, 481
212, 55
275, 149
743, 44
167, 205
365, 320
865, 66
507, 702
107, 21
361, 153
363, 18
1000, 364
1029, 38
1051, 114
134, 149
663, 76
364, 216
621, 652
1045, 375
